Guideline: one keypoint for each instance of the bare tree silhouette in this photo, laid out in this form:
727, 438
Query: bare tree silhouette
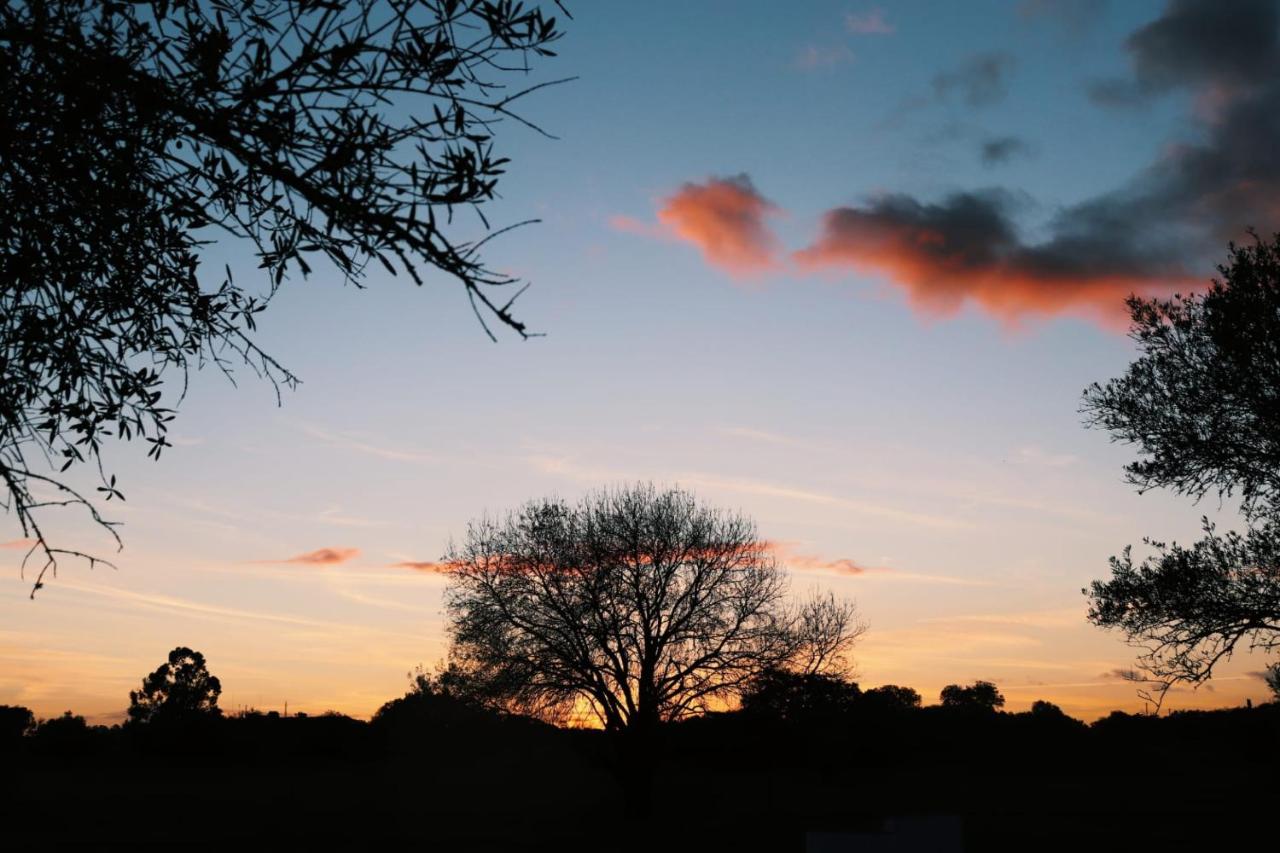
642, 606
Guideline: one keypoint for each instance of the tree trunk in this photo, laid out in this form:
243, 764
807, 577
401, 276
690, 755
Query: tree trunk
638, 749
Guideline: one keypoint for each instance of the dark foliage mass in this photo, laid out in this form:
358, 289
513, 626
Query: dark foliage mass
133, 134
180, 689
1202, 407
805, 753
979, 696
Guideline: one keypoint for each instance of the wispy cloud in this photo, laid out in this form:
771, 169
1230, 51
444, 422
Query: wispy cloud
816, 57
869, 508
761, 435
364, 444
18, 544
567, 466
336, 517
869, 23
1001, 149
1062, 617
322, 557
789, 556
421, 565
980, 80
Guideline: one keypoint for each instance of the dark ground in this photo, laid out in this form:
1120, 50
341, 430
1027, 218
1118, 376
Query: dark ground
1196, 781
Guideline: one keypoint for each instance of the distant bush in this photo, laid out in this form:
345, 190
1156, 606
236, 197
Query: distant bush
16, 722
979, 696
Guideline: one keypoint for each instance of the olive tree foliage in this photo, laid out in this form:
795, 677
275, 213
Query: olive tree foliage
642, 605
181, 688
1201, 405
133, 134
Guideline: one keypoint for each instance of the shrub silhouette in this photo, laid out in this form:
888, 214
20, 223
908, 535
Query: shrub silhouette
795, 696
16, 722
979, 696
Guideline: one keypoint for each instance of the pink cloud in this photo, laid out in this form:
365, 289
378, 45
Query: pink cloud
631, 225
16, 544
725, 219
789, 557
421, 566
324, 557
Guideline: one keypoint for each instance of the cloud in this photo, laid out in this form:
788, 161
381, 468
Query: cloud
816, 57
1002, 149
16, 544
1075, 15
869, 23
1226, 46
421, 566
789, 557
967, 248
980, 81
725, 219
323, 557
788, 554
358, 444
631, 225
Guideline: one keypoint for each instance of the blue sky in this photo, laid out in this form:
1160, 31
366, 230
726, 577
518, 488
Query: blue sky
944, 452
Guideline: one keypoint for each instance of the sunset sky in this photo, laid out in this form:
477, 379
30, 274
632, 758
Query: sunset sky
846, 267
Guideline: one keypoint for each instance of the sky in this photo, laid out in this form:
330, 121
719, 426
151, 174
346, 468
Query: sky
845, 267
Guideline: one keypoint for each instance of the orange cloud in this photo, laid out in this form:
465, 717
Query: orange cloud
725, 219
966, 249
324, 556
421, 566
24, 544
787, 555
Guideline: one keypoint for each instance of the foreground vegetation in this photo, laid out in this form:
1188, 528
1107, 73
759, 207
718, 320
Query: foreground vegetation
802, 755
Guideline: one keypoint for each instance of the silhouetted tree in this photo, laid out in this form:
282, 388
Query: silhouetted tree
1044, 708
637, 605
1202, 406
891, 697
1272, 678
179, 690
16, 722
134, 133
798, 696
66, 736
979, 696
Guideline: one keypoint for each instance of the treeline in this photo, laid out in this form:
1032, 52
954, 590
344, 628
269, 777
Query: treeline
820, 722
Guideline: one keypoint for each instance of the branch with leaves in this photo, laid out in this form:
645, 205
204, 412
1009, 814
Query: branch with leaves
134, 134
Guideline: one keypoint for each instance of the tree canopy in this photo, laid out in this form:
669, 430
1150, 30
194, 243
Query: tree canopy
979, 696
1201, 405
640, 605
180, 689
134, 134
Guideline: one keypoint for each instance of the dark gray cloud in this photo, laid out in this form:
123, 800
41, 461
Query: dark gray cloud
980, 81
1225, 45
1161, 230
1076, 16
968, 248
1002, 149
